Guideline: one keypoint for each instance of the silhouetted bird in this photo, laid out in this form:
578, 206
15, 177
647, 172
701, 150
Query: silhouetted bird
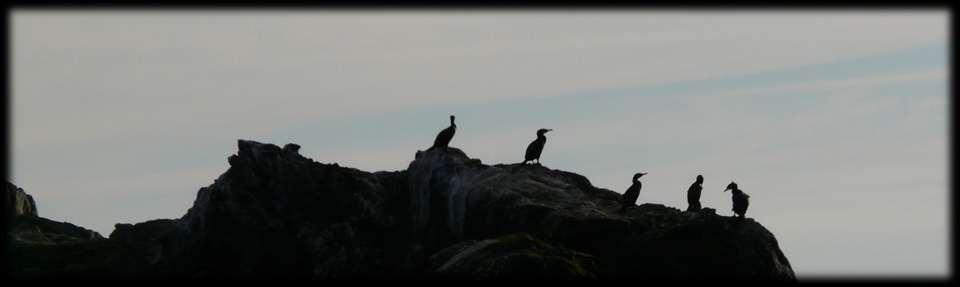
444, 137
632, 193
740, 200
536, 147
693, 194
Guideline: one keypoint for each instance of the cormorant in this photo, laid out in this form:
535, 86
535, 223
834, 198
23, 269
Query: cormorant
444, 137
740, 200
536, 147
632, 193
693, 194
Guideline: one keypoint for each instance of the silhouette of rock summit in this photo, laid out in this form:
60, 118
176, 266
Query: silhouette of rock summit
18, 203
275, 212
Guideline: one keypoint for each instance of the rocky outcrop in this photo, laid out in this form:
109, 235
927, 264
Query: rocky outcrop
39, 246
36, 229
456, 198
275, 212
27, 226
19, 203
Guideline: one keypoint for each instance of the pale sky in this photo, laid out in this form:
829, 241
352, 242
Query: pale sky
835, 122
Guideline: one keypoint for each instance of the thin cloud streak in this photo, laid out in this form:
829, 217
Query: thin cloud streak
146, 75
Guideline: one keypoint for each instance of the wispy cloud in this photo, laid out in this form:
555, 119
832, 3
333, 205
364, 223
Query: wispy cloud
163, 70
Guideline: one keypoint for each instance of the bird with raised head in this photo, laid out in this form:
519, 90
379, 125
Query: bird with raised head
444, 137
632, 193
536, 147
740, 200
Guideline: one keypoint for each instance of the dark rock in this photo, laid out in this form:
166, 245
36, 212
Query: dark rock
291, 147
27, 226
512, 256
452, 201
281, 213
19, 203
40, 247
146, 240
41, 230
277, 213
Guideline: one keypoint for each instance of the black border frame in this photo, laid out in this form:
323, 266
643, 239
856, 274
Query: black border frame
5, 105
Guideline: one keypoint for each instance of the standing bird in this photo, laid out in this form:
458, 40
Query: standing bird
632, 193
536, 147
444, 137
693, 194
740, 200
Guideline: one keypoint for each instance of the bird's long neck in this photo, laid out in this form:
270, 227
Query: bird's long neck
452, 124
540, 136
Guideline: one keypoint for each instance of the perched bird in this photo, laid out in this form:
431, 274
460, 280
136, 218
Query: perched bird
444, 137
740, 200
632, 193
693, 194
536, 147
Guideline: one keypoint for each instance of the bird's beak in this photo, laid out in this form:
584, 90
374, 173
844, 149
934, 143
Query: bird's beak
549, 130
726, 189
